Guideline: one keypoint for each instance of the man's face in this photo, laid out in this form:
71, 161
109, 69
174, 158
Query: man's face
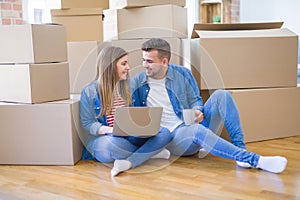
156, 68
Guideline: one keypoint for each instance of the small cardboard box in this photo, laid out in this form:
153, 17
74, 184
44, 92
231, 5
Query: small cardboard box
34, 83
120, 4
40, 134
145, 22
65, 4
268, 113
250, 55
82, 24
33, 43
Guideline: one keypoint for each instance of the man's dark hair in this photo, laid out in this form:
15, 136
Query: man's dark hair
162, 46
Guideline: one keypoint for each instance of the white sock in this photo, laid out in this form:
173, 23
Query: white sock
243, 164
202, 153
164, 154
120, 166
275, 164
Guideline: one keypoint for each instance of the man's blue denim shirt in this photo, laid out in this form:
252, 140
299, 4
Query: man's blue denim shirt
181, 87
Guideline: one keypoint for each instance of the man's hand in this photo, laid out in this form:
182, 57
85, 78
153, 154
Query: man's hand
198, 116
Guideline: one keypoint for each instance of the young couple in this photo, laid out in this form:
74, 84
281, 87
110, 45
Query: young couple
173, 88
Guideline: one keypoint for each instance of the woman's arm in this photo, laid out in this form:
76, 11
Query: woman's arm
88, 116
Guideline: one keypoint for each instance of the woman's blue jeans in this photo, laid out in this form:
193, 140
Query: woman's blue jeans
137, 150
219, 108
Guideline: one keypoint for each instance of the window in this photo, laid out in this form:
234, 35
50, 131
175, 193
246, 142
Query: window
38, 11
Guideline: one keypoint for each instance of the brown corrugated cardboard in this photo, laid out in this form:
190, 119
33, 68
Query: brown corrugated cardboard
81, 24
119, 4
65, 4
268, 113
34, 83
33, 43
40, 134
245, 58
145, 22
82, 58
234, 27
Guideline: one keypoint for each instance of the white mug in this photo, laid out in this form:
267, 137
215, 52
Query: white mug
188, 116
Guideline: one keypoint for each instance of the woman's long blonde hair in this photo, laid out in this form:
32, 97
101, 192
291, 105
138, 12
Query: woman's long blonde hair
108, 80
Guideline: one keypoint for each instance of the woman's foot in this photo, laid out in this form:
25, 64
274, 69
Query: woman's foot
243, 164
120, 166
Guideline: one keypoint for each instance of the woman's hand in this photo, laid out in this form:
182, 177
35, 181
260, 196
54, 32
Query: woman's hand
105, 129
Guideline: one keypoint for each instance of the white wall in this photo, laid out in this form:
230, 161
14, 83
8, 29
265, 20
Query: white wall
287, 11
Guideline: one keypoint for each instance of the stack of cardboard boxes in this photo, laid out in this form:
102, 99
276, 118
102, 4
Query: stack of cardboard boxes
257, 63
36, 114
126, 23
84, 26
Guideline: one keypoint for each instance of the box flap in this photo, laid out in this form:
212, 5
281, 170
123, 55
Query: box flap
282, 32
76, 11
235, 26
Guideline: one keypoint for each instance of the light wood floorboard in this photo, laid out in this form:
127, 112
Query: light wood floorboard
180, 178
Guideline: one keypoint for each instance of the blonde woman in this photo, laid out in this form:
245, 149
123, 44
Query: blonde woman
98, 102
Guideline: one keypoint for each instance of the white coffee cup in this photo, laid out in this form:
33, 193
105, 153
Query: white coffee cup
188, 116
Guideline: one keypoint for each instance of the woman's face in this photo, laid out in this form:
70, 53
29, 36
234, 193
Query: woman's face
123, 67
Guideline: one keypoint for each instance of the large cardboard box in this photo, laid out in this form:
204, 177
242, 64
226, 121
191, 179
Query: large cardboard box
120, 4
145, 22
65, 4
82, 57
244, 56
268, 113
81, 23
33, 43
34, 83
40, 134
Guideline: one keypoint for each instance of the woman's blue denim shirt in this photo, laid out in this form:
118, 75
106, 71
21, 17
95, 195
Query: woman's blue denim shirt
181, 88
90, 109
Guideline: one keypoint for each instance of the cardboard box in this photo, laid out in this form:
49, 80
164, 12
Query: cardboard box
146, 22
81, 23
82, 57
34, 83
244, 58
33, 43
133, 47
65, 4
40, 134
268, 113
120, 4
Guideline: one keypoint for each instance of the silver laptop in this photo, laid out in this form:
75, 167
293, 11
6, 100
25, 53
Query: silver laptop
137, 121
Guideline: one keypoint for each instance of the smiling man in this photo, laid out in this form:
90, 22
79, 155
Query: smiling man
174, 88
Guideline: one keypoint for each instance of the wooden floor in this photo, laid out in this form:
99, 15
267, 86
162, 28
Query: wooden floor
181, 178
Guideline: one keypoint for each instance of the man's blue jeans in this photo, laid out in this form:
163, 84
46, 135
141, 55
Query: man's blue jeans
219, 108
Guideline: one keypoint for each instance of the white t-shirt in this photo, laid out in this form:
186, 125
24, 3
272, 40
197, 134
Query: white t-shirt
158, 97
